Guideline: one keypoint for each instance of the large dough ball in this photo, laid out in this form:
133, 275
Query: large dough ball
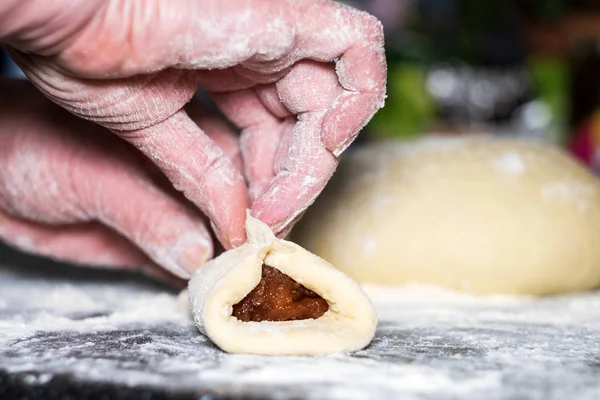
480, 215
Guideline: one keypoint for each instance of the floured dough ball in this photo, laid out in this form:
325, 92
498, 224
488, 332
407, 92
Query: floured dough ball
482, 215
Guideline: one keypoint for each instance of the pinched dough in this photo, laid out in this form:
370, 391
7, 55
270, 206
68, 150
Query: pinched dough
348, 325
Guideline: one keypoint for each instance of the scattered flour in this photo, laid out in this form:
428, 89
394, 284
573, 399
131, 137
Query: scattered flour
431, 343
510, 163
369, 245
569, 191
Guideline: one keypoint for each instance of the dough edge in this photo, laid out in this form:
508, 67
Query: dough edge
349, 324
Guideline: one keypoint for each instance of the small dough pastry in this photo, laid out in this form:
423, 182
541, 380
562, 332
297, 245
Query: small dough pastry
477, 214
276, 288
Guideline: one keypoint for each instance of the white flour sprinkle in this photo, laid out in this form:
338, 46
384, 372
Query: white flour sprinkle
310, 181
431, 343
569, 191
510, 163
369, 245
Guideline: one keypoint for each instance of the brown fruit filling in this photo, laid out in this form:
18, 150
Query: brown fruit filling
277, 297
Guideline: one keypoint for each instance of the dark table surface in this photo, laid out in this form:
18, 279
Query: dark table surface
73, 333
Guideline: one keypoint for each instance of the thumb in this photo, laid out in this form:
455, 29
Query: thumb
59, 170
170, 233
88, 244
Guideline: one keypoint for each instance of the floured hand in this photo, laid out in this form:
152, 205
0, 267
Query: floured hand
131, 66
71, 191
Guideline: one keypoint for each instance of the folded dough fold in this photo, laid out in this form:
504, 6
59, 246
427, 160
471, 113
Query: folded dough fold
348, 325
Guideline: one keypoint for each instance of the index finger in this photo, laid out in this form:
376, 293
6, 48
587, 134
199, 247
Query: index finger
332, 31
326, 31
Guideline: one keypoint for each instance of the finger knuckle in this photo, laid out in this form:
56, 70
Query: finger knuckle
373, 29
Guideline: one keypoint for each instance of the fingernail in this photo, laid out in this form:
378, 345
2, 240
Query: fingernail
192, 258
228, 243
220, 236
189, 254
237, 242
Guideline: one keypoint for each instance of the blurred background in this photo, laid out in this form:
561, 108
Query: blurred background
528, 68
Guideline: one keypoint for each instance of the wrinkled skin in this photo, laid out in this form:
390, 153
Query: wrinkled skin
131, 66
72, 191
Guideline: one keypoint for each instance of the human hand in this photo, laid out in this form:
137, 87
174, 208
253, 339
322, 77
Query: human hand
72, 191
131, 65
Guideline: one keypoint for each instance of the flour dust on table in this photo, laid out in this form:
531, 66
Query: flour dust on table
84, 331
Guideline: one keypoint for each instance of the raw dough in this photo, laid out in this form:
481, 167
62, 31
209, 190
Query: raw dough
348, 325
482, 215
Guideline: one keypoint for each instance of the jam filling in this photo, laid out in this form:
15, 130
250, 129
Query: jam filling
277, 297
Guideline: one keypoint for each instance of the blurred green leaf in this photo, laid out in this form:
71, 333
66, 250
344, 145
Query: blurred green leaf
409, 109
552, 81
